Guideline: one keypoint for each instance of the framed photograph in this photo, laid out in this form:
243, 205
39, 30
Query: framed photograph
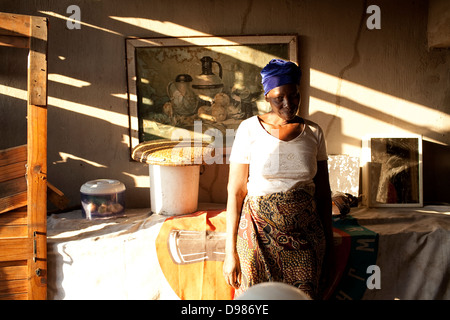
392, 171
198, 86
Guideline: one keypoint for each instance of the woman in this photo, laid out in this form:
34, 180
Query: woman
279, 199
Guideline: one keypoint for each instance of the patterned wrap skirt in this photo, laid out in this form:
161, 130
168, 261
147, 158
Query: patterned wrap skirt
280, 238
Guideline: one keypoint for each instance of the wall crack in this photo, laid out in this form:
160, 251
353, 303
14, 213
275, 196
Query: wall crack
356, 58
246, 14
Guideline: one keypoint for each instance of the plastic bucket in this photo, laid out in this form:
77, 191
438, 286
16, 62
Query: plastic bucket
174, 189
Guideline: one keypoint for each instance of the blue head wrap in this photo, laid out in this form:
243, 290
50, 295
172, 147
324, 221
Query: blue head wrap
279, 72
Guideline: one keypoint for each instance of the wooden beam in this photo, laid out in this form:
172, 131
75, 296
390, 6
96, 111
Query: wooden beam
37, 68
15, 249
37, 124
13, 274
15, 270
37, 156
10, 288
31, 247
12, 163
14, 41
12, 202
14, 154
15, 217
57, 197
13, 186
15, 24
12, 171
13, 194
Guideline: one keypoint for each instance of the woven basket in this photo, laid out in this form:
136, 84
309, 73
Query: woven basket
171, 153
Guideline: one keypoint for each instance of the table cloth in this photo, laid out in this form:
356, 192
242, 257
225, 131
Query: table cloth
383, 253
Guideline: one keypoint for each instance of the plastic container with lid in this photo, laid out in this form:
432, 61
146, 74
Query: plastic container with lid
102, 198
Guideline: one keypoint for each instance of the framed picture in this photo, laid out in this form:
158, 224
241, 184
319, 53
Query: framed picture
198, 86
392, 171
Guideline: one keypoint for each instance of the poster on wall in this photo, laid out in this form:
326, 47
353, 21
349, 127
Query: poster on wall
200, 86
392, 171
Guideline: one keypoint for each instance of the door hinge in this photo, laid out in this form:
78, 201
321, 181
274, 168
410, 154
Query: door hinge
35, 234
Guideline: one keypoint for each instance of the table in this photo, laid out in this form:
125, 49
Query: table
145, 256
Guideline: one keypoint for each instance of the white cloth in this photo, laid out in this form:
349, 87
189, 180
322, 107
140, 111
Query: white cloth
413, 251
116, 258
276, 165
106, 259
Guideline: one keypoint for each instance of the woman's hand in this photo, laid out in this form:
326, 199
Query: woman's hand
232, 270
237, 190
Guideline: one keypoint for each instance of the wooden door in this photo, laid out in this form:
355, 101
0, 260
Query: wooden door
23, 172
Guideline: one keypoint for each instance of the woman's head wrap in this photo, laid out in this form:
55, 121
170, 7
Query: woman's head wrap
279, 72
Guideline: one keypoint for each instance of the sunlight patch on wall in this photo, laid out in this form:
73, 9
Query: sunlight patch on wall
133, 119
401, 113
13, 92
169, 28
123, 96
60, 16
112, 117
67, 156
318, 105
67, 80
188, 35
140, 181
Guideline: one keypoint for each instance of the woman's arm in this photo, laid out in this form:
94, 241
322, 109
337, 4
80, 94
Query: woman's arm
237, 190
324, 209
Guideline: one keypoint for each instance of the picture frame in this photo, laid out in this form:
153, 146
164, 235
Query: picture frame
392, 170
202, 86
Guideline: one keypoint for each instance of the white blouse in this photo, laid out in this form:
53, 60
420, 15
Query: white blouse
276, 165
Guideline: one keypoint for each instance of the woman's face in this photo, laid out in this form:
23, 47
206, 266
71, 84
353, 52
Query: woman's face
284, 101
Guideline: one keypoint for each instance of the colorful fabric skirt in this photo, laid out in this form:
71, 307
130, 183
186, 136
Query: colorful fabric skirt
281, 238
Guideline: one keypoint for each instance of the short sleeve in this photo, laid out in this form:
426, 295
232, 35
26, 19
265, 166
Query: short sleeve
240, 151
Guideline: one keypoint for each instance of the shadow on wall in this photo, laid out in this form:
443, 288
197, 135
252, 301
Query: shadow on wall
13, 112
213, 183
436, 173
332, 128
92, 171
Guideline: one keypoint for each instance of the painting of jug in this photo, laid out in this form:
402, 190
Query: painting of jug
178, 83
181, 96
207, 84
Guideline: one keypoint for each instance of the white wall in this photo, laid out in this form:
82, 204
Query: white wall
356, 81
